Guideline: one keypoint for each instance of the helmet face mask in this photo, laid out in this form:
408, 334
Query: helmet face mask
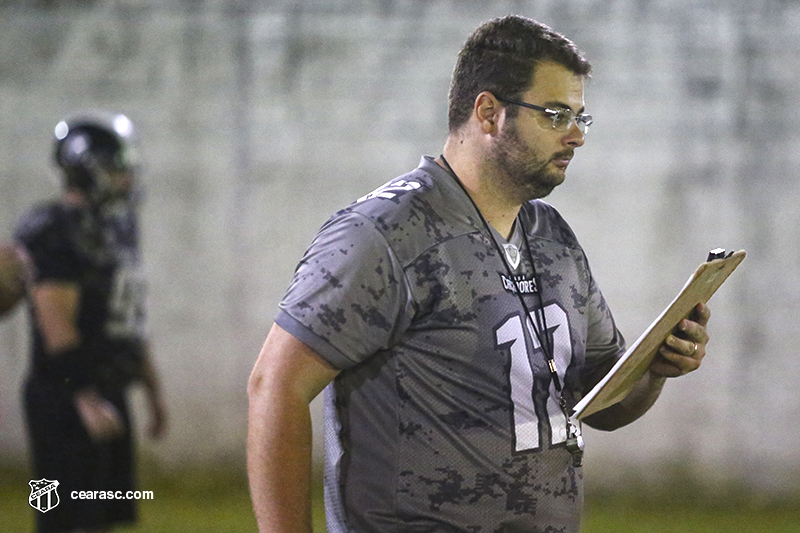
95, 155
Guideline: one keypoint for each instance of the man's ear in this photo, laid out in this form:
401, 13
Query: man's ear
488, 110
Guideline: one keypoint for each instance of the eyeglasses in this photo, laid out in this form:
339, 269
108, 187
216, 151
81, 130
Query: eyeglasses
562, 118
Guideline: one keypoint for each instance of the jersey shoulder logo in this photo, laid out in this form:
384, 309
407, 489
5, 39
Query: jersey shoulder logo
392, 190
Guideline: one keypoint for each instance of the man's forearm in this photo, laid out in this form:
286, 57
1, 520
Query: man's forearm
279, 463
149, 376
641, 398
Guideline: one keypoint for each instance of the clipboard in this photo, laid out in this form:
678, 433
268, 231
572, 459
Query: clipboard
619, 381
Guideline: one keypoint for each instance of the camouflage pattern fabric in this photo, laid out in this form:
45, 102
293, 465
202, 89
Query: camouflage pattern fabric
444, 416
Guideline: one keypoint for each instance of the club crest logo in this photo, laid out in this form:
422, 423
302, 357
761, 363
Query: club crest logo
44, 495
512, 254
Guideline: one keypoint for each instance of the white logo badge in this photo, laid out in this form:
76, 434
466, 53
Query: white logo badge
44, 495
512, 254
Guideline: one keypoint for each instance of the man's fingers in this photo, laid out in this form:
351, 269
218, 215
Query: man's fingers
100, 418
683, 351
683, 347
107, 423
701, 314
693, 331
677, 357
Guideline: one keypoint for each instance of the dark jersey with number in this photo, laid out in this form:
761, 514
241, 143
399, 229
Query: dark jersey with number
444, 416
97, 250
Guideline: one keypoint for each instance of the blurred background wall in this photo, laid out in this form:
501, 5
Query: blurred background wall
259, 119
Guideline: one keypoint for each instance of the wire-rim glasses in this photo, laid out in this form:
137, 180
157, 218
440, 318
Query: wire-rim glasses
562, 118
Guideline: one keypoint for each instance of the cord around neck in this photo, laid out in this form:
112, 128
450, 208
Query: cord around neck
539, 331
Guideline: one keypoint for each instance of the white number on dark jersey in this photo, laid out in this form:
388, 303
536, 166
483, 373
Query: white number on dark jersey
529, 433
391, 190
126, 305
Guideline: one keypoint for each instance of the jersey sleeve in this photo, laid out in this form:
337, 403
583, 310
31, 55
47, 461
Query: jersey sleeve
349, 297
604, 342
43, 234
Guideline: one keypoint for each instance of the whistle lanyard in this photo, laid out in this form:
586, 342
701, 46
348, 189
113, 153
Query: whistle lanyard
574, 441
540, 329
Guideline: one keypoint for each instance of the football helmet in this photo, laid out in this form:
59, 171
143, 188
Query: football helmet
96, 152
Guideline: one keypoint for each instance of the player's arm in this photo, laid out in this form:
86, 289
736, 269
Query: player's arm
157, 427
56, 306
284, 380
12, 277
681, 353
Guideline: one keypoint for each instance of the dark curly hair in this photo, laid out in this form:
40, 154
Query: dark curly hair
500, 57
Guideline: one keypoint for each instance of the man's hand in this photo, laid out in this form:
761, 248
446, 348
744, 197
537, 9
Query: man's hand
683, 351
680, 354
157, 426
101, 419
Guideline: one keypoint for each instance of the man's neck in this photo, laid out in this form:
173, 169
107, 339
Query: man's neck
75, 197
478, 180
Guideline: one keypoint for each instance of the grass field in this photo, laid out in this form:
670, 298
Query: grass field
218, 501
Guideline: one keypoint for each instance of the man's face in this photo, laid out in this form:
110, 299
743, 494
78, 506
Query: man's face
530, 155
112, 184
121, 182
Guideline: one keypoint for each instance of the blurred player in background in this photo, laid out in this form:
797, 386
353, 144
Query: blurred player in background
86, 295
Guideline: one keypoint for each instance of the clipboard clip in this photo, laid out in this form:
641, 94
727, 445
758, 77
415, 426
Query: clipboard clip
718, 253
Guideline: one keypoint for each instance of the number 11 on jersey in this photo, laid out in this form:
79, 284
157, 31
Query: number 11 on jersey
530, 433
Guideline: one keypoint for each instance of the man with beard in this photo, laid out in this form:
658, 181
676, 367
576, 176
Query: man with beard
453, 320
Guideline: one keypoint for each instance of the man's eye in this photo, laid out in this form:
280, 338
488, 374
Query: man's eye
561, 118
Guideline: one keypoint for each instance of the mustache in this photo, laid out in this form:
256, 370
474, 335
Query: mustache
568, 153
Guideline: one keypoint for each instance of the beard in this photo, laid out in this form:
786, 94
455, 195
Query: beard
522, 170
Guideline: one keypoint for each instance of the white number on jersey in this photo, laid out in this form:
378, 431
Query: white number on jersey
529, 431
126, 307
390, 190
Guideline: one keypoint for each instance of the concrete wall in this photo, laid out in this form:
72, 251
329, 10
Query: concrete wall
259, 119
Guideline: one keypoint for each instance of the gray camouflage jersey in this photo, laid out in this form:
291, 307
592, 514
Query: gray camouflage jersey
444, 416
